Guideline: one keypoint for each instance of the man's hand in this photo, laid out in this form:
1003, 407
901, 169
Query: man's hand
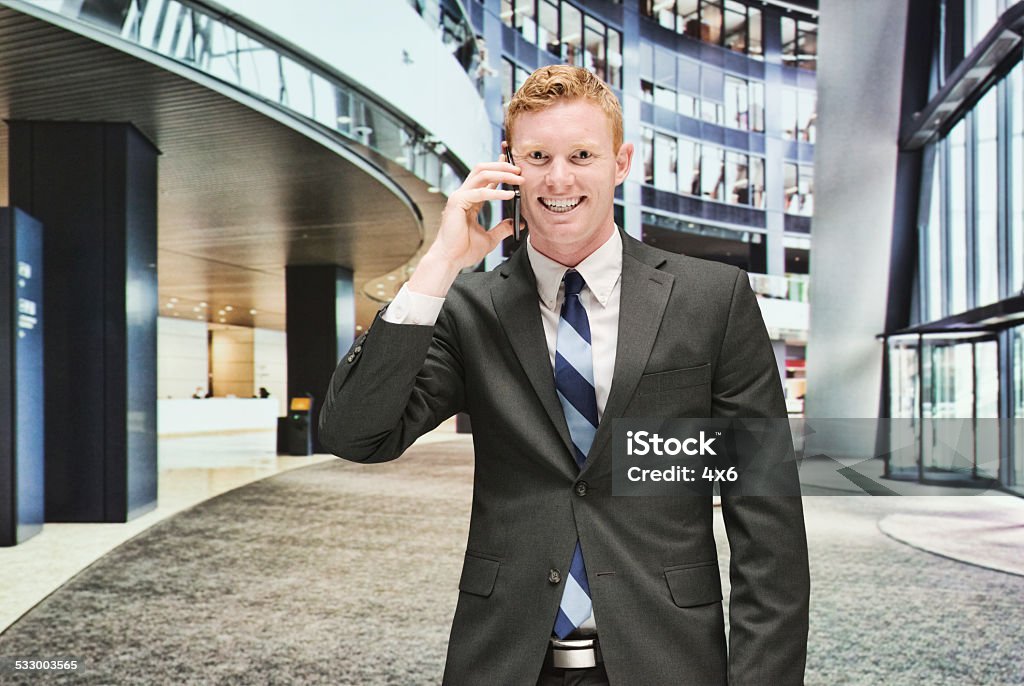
462, 241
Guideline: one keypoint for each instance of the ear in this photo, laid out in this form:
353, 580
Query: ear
623, 160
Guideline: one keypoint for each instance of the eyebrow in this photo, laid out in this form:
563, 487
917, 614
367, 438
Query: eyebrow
574, 145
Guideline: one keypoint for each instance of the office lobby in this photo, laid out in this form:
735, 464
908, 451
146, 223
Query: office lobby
204, 205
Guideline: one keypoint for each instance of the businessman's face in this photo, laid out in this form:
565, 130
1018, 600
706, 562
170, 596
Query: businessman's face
570, 172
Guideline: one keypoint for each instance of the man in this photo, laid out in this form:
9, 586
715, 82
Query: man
581, 325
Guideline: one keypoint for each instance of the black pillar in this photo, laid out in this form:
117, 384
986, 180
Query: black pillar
320, 319
21, 377
93, 187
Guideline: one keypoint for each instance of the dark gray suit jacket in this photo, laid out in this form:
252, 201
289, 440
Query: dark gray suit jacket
691, 343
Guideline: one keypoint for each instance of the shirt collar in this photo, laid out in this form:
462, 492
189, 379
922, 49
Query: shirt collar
601, 270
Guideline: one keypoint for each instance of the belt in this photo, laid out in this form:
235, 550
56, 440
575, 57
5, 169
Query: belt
574, 654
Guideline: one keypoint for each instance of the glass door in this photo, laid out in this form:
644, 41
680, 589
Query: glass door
960, 404
904, 446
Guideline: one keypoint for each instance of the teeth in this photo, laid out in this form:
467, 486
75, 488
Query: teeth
561, 204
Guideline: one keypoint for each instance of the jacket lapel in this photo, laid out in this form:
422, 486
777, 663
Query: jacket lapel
516, 304
643, 296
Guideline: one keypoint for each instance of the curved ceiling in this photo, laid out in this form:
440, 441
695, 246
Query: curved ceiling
244, 189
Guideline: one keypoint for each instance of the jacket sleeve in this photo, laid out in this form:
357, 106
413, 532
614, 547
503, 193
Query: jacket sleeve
395, 383
768, 607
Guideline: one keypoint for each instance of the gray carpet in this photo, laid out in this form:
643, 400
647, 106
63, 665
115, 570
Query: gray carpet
331, 574
346, 574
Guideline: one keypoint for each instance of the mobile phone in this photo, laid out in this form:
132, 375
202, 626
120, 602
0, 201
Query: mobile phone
516, 200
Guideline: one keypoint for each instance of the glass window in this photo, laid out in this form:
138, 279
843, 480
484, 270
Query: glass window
647, 145
712, 171
547, 26
789, 114
757, 182
788, 41
689, 167
792, 190
806, 115
593, 40
665, 162
933, 247
646, 91
956, 260
572, 35
756, 106
983, 14
614, 58
711, 21
737, 178
664, 12
688, 105
507, 13
508, 82
687, 21
987, 185
665, 97
755, 47
735, 26
806, 186
736, 106
521, 76
807, 45
710, 112
526, 19
1016, 247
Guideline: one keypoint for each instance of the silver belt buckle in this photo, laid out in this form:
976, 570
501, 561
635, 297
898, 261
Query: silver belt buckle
574, 654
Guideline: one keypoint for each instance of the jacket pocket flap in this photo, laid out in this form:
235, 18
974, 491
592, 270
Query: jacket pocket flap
478, 575
675, 378
693, 585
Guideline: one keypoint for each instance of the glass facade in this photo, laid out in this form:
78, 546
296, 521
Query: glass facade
571, 35
733, 25
969, 278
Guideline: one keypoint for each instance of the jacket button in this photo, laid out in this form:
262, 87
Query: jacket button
554, 576
581, 488
350, 358
357, 348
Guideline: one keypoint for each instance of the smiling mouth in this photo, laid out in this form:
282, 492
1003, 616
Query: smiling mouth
562, 205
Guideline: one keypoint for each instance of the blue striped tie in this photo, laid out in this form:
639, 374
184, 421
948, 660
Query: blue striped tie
574, 381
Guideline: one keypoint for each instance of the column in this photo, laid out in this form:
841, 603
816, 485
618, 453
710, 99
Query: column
320, 320
93, 187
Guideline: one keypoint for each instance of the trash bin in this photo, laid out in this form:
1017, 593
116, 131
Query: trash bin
297, 427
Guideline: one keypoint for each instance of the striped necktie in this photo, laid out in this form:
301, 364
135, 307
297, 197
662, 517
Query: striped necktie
574, 381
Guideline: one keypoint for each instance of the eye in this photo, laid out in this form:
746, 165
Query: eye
536, 155
584, 155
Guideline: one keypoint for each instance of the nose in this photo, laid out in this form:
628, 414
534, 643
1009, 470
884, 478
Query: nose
559, 174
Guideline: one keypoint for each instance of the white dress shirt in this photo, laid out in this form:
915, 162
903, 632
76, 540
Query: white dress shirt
602, 272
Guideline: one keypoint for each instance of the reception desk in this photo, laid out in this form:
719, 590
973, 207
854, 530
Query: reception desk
216, 415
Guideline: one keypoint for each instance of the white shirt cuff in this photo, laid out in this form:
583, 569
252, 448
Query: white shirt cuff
410, 307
